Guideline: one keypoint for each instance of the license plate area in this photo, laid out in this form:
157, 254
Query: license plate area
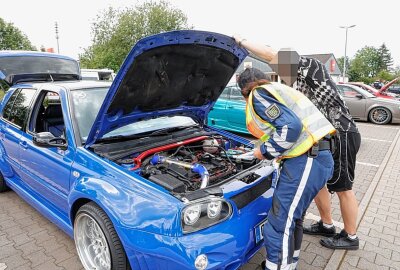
259, 231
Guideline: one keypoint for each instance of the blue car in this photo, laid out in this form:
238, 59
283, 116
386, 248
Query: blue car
128, 168
229, 112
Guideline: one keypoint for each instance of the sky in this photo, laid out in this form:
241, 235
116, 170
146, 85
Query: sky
308, 26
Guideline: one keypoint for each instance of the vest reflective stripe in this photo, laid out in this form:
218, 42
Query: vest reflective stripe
303, 104
257, 127
315, 125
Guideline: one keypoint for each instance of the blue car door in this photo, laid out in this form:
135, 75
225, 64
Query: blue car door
47, 169
12, 120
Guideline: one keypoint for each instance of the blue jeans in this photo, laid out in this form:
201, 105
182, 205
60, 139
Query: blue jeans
301, 178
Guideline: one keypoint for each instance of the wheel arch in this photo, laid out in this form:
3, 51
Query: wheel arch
75, 207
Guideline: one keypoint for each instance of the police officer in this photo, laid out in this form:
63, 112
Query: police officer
293, 131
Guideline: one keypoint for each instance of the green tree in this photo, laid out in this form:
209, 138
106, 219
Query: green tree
11, 38
386, 59
116, 31
365, 65
384, 75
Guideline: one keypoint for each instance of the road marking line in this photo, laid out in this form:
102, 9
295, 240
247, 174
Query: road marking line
367, 164
372, 139
318, 218
372, 125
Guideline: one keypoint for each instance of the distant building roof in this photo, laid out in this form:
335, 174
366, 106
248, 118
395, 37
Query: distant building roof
256, 62
324, 57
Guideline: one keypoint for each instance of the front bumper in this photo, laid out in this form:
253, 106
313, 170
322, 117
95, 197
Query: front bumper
227, 245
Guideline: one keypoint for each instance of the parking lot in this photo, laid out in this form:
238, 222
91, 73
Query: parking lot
29, 241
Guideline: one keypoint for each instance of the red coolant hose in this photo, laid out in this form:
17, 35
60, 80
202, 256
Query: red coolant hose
138, 160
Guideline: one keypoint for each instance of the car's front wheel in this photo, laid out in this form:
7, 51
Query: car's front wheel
96, 240
380, 115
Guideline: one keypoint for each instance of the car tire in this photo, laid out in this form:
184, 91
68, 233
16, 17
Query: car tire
380, 115
3, 185
94, 233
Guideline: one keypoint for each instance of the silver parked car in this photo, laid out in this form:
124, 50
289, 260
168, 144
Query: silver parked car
365, 106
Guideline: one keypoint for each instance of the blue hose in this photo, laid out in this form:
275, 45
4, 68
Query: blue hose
196, 168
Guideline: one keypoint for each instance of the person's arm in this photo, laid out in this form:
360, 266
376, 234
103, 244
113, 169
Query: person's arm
287, 125
260, 50
284, 62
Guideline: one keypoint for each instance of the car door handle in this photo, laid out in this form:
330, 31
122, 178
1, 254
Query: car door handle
230, 106
23, 144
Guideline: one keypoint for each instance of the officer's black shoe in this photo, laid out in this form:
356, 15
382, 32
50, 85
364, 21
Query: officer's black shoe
319, 229
341, 241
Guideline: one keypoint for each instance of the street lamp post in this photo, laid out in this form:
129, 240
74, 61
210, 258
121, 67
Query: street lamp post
57, 37
345, 50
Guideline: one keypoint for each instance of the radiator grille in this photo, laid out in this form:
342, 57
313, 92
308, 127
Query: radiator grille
246, 197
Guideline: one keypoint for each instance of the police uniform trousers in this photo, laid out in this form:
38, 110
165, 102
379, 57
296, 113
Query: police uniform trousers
301, 178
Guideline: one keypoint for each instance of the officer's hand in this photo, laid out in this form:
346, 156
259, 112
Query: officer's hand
237, 38
257, 154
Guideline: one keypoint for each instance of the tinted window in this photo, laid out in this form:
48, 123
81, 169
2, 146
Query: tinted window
348, 92
236, 94
20, 107
8, 107
37, 64
225, 93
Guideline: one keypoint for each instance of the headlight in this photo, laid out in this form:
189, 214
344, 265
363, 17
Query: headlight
192, 214
214, 209
204, 213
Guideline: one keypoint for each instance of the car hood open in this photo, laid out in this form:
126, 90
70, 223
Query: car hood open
173, 73
386, 86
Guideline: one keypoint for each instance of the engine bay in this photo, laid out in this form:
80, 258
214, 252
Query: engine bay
193, 163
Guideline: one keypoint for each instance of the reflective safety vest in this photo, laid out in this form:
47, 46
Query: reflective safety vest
315, 125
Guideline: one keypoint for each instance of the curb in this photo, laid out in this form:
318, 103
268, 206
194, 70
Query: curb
338, 255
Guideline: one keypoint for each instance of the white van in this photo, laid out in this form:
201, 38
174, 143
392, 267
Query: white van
104, 74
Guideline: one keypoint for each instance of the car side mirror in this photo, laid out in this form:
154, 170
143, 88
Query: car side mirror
359, 96
47, 139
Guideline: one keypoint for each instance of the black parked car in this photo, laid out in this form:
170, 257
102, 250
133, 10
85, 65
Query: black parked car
394, 89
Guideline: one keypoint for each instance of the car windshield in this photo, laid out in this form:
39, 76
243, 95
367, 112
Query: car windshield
345, 88
363, 92
12, 65
367, 88
86, 106
145, 126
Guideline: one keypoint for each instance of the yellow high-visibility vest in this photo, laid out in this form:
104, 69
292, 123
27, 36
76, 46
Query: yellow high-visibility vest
315, 125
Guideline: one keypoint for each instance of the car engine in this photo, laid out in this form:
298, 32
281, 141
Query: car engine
193, 164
